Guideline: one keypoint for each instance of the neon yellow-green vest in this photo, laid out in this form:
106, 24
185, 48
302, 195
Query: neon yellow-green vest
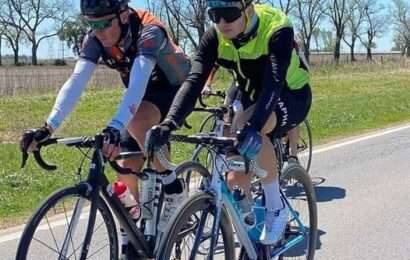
270, 21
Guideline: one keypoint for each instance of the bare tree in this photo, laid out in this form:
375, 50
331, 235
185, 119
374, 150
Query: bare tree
308, 13
355, 18
190, 16
13, 28
37, 17
336, 10
401, 15
375, 24
285, 5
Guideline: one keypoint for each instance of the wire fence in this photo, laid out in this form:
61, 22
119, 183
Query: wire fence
15, 81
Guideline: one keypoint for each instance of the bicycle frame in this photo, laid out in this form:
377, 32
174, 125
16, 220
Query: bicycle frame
95, 184
223, 197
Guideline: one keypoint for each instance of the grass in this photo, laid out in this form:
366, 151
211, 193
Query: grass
347, 101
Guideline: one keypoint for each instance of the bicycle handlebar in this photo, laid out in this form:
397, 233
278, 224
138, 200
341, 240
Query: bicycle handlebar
83, 142
225, 143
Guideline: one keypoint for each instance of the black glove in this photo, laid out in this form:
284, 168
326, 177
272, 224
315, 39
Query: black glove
39, 135
112, 135
159, 135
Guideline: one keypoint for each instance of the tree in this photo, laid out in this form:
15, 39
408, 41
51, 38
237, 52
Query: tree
355, 18
375, 24
158, 8
38, 16
12, 26
401, 17
316, 36
308, 14
329, 41
285, 5
336, 10
190, 15
73, 33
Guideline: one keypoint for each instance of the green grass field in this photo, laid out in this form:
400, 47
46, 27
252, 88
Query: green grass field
346, 101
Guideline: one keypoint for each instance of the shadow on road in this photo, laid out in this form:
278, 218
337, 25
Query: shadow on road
324, 193
300, 249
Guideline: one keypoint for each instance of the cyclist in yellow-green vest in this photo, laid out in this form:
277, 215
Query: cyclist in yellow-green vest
256, 43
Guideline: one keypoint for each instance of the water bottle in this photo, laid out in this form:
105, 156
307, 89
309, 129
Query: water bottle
127, 199
245, 207
147, 195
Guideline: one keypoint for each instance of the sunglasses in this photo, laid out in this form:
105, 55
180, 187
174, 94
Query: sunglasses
100, 24
229, 14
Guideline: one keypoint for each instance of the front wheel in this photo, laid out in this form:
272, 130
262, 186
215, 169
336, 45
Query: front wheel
68, 225
189, 235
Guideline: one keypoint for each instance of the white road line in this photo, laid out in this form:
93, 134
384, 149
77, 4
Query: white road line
360, 139
16, 235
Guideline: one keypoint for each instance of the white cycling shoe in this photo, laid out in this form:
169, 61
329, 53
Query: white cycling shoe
275, 223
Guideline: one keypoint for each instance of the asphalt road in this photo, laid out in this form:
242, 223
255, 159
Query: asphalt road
363, 193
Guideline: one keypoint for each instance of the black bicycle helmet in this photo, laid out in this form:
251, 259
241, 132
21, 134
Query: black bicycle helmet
97, 8
226, 3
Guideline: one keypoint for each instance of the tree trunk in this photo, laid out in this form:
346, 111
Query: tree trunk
336, 55
352, 57
369, 53
16, 56
1, 60
408, 49
34, 54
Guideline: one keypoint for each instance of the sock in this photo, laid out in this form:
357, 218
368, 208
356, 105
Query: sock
172, 185
272, 196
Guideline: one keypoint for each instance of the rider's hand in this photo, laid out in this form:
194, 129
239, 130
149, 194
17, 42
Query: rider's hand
249, 142
111, 145
206, 91
31, 138
159, 135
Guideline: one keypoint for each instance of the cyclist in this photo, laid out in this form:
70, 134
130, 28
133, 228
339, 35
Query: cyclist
255, 42
152, 67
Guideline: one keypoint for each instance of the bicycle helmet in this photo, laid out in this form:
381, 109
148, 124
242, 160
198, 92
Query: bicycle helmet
97, 8
227, 3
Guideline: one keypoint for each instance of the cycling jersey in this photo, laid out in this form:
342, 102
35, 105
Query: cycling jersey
262, 65
145, 57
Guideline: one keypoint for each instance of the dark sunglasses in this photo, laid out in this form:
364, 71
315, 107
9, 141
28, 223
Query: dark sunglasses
100, 24
229, 14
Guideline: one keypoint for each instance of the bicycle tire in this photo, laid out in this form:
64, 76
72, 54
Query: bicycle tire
309, 142
297, 186
50, 204
195, 203
187, 169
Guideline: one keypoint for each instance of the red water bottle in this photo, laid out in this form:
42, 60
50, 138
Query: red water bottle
127, 199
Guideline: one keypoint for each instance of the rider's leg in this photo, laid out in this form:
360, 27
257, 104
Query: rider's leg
293, 135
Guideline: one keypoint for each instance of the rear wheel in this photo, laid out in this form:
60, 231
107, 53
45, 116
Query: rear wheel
70, 226
298, 190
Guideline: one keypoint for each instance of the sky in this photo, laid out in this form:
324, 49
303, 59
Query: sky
52, 48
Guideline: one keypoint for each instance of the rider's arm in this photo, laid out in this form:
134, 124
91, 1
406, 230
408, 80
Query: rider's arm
211, 77
70, 92
139, 76
149, 44
202, 64
280, 52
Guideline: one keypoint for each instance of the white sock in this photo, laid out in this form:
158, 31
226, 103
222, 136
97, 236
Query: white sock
272, 195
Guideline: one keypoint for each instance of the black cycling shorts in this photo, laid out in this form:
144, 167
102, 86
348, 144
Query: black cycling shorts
292, 108
160, 93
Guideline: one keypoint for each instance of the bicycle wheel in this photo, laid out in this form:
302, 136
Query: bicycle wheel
192, 228
195, 175
298, 190
305, 145
59, 227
